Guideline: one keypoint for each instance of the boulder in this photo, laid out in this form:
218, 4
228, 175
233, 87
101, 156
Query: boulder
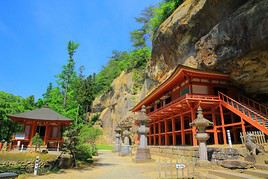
236, 164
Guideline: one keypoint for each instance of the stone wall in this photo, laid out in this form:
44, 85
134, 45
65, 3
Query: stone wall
175, 151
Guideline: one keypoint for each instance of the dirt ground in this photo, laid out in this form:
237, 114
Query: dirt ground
108, 165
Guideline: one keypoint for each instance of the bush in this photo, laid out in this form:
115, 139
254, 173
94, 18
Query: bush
84, 152
37, 141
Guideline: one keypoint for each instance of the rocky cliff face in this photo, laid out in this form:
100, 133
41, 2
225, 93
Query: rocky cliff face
115, 105
229, 36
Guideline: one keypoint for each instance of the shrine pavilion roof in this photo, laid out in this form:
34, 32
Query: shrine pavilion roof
170, 82
44, 114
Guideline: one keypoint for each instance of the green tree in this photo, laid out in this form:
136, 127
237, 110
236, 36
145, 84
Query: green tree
37, 141
161, 13
68, 74
9, 104
140, 36
46, 95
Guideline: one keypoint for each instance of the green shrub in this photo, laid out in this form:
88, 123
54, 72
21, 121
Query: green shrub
37, 141
84, 152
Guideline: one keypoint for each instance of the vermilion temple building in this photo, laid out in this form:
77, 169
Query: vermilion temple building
44, 121
173, 105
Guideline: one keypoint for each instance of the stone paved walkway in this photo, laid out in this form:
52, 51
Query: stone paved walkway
110, 166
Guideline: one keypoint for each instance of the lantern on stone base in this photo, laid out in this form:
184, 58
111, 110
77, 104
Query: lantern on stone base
143, 152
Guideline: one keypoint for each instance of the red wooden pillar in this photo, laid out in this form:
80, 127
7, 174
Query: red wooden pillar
173, 132
222, 123
33, 131
216, 141
243, 127
182, 130
159, 133
166, 135
46, 135
193, 128
154, 132
150, 133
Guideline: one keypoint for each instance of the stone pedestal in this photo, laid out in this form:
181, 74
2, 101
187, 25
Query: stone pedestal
202, 138
143, 155
125, 150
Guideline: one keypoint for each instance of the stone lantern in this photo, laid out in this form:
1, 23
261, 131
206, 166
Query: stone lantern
143, 152
125, 147
201, 124
117, 139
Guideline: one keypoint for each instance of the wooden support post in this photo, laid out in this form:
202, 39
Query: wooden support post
159, 133
166, 136
150, 134
243, 127
154, 133
173, 132
216, 141
222, 123
182, 130
46, 135
33, 131
193, 128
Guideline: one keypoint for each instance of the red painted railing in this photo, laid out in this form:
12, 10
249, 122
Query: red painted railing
253, 104
241, 109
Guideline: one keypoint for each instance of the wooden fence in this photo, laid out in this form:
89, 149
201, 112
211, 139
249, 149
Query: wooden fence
258, 135
176, 168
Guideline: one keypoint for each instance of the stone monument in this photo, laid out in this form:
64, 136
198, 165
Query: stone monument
117, 145
143, 152
125, 147
201, 124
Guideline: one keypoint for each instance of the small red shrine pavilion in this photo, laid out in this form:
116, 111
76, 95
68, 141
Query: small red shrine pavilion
173, 105
44, 121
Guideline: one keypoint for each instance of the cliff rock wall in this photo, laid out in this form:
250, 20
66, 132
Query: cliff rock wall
229, 36
226, 36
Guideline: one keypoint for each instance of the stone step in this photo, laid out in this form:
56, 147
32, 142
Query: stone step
261, 166
209, 176
228, 174
257, 173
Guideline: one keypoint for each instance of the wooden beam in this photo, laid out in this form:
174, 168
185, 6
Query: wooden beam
166, 136
182, 130
193, 128
173, 132
216, 141
223, 128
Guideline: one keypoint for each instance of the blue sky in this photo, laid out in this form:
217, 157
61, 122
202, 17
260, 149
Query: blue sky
34, 36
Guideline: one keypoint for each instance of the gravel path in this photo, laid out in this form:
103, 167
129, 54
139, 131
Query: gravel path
110, 166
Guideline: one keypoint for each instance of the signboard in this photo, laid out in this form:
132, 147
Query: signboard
180, 166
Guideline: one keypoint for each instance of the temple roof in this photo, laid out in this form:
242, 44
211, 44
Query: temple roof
40, 114
173, 79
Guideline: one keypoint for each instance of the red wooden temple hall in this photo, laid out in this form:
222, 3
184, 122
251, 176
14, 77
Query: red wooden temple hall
173, 105
44, 121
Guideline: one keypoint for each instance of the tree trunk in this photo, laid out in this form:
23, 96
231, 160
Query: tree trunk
74, 159
65, 95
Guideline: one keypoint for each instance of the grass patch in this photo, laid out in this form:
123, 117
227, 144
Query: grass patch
104, 147
22, 156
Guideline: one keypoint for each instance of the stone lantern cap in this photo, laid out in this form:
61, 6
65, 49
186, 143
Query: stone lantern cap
142, 117
117, 129
200, 122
